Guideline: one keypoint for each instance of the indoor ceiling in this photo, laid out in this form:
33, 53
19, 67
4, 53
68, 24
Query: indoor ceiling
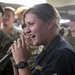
66, 8
10, 4
67, 12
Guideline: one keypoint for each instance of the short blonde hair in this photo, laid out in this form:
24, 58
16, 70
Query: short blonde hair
20, 10
11, 9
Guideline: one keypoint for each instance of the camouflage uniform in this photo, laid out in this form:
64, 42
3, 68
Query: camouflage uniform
5, 42
70, 39
4, 45
35, 51
15, 33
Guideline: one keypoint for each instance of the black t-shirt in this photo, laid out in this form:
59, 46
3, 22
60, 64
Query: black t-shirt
57, 59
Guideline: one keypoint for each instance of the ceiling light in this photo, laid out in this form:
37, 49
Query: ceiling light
64, 20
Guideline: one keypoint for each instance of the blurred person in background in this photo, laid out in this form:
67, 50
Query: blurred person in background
19, 14
1, 32
5, 42
72, 27
9, 34
9, 28
70, 36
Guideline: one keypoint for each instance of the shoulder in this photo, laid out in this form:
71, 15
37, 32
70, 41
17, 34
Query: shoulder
62, 55
15, 33
60, 61
17, 30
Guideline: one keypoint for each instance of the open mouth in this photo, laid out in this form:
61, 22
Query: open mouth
32, 36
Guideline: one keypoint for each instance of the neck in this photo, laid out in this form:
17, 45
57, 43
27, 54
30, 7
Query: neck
50, 39
7, 28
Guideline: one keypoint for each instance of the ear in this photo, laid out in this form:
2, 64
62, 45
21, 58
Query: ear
50, 23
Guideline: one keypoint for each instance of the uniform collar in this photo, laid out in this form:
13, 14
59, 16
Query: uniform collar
53, 44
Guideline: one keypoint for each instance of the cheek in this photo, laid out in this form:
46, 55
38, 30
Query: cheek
37, 28
39, 34
73, 34
36, 31
72, 27
0, 20
11, 20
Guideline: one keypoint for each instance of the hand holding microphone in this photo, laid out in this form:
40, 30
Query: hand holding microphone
19, 49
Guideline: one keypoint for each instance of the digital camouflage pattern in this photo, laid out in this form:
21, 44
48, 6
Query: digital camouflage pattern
70, 39
5, 42
35, 51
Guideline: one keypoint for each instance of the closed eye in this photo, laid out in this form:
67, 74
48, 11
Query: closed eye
31, 23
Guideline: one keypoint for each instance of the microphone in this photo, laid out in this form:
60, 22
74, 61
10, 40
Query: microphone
7, 56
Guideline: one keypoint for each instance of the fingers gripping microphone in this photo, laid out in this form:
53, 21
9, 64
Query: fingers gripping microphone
7, 56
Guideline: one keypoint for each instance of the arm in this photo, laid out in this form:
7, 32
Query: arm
20, 53
14, 69
25, 71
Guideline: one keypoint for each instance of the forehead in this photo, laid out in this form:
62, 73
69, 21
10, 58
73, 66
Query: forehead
31, 17
9, 12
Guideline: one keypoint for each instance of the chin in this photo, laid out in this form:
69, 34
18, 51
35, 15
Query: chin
36, 44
